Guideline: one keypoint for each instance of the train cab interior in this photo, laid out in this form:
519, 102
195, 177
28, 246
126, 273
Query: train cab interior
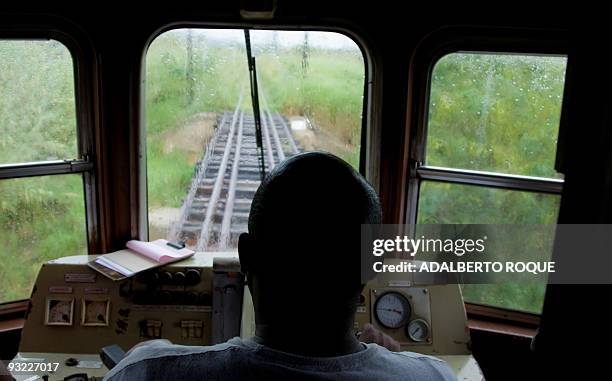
160, 122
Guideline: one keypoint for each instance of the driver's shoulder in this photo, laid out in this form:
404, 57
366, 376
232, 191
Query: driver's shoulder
157, 357
430, 367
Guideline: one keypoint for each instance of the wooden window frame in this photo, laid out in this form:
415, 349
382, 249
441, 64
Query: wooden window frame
429, 51
369, 155
84, 68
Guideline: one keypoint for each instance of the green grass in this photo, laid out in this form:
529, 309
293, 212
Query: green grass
527, 297
169, 176
37, 107
41, 218
330, 94
216, 80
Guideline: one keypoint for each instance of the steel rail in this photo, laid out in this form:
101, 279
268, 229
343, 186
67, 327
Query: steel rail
217, 204
175, 229
266, 136
280, 152
294, 147
231, 194
218, 185
279, 147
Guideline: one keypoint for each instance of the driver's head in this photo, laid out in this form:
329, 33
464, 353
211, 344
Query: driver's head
302, 252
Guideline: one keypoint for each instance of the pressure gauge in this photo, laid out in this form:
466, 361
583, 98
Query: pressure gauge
95, 312
392, 310
59, 311
418, 330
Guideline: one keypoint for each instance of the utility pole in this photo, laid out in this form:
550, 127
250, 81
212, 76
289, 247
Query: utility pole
305, 55
189, 75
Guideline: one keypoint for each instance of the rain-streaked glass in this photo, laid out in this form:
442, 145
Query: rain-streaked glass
41, 218
37, 102
314, 81
496, 113
444, 203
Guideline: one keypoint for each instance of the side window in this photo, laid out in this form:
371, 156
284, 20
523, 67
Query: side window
42, 216
202, 154
490, 147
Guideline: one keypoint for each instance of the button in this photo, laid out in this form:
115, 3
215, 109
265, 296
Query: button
150, 329
191, 329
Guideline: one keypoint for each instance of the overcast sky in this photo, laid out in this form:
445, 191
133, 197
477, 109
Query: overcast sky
286, 39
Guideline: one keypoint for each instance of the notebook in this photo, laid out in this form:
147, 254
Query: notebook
138, 257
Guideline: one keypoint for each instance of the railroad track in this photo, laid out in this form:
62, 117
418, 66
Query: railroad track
217, 206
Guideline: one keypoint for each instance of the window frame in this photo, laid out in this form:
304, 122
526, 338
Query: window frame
369, 155
84, 74
486, 40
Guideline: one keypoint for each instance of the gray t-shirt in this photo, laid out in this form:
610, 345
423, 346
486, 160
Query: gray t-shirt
240, 359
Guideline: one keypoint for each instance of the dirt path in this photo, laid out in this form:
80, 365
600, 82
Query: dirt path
193, 136
321, 139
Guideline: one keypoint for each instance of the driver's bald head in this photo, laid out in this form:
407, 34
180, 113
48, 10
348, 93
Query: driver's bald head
307, 215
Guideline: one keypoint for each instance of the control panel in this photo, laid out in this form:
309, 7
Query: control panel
427, 319
423, 317
404, 313
77, 310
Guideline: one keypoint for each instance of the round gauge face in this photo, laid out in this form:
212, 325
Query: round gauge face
60, 312
95, 312
418, 330
392, 310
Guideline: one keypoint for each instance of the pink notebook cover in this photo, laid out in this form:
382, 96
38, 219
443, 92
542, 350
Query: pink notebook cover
138, 257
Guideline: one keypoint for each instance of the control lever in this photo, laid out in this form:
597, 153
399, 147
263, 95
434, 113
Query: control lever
111, 355
77, 377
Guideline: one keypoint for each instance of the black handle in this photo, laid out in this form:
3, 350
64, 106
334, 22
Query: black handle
111, 355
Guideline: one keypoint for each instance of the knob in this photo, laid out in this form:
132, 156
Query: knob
190, 297
205, 299
164, 297
165, 277
152, 277
179, 277
141, 298
193, 276
71, 361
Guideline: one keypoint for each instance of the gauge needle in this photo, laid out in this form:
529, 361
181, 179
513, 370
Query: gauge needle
390, 309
